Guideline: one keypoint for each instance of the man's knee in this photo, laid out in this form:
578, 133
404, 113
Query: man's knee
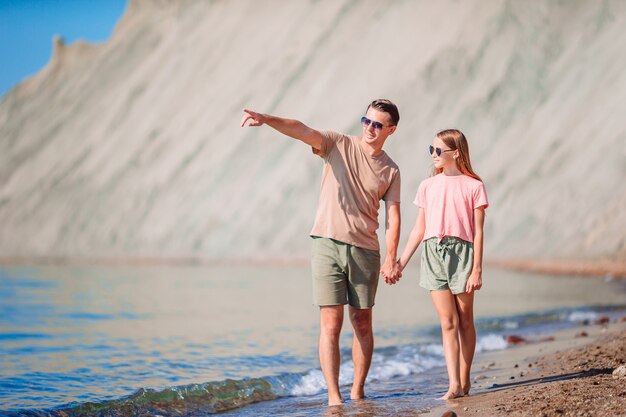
361, 320
331, 329
331, 320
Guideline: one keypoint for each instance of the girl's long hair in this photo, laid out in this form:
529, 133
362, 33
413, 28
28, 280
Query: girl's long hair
455, 140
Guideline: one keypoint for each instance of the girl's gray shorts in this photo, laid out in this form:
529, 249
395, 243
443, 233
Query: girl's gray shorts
446, 264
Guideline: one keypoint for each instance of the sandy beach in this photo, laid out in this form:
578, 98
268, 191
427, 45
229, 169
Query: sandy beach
567, 375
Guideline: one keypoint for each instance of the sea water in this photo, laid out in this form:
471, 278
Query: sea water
242, 340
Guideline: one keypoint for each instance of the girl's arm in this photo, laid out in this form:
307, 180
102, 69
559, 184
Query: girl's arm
475, 281
415, 238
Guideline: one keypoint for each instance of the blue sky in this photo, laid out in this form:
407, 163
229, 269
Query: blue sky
27, 28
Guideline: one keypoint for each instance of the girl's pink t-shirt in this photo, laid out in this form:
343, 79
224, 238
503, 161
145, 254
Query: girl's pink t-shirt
449, 203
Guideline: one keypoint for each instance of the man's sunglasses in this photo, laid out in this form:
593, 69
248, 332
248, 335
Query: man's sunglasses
366, 122
432, 149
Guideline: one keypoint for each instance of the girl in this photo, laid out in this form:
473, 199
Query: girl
451, 211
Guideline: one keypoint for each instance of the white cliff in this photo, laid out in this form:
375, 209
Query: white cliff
132, 148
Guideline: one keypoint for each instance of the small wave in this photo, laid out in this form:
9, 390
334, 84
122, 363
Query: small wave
189, 400
387, 363
217, 397
548, 319
310, 384
581, 316
490, 342
509, 325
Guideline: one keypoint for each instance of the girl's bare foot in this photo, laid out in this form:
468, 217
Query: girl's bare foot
466, 388
452, 394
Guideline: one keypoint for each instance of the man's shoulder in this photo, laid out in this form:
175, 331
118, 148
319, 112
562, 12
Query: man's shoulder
392, 163
384, 159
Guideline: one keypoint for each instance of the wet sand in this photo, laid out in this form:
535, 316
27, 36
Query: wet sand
568, 376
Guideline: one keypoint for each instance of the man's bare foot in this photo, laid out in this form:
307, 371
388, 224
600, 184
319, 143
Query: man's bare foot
357, 392
450, 395
335, 401
357, 396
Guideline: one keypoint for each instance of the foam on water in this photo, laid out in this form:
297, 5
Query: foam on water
387, 363
510, 325
391, 362
490, 342
311, 383
580, 316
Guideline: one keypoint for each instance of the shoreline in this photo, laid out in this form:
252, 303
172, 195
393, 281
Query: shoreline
569, 374
606, 268
603, 268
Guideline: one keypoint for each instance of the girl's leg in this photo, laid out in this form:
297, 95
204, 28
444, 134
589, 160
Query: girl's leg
445, 304
467, 336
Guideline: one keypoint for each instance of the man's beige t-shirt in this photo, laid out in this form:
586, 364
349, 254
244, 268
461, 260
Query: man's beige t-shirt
353, 183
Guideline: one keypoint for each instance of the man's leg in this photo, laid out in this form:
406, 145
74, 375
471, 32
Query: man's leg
362, 348
331, 319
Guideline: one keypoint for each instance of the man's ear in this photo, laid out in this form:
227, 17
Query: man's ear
392, 129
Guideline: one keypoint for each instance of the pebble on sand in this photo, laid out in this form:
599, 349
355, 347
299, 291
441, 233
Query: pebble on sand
619, 372
449, 413
513, 339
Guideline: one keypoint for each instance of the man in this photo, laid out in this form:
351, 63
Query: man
346, 254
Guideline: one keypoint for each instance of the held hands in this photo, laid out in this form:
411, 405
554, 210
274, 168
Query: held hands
257, 119
391, 271
474, 282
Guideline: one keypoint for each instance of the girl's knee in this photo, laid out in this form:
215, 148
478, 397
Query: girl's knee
449, 324
466, 321
466, 325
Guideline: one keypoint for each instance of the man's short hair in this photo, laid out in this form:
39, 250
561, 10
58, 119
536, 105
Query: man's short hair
382, 104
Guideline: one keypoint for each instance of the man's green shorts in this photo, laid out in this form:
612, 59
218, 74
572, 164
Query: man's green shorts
343, 273
446, 264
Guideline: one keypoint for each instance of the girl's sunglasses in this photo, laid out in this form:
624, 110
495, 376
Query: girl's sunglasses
366, 122
432, 149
